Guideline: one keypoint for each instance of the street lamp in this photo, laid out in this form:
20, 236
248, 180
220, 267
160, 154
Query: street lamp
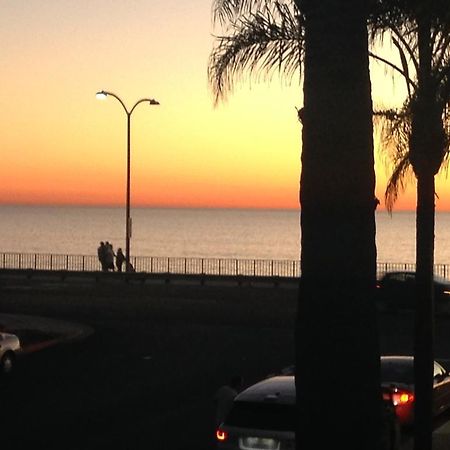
102, 95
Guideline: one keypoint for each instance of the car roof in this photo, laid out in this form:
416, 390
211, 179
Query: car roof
437, 278
399, 358
5, 334
396, 272
278, 389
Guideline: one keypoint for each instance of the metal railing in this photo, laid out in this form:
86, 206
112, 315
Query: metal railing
182, 266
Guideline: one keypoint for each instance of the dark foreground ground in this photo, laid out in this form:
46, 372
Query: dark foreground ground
146, 377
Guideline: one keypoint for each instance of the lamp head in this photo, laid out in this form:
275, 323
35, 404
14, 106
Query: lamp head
153, 102
101, 95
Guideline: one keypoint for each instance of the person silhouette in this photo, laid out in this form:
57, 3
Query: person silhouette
101, 253
224, 397
120, 259
109, 256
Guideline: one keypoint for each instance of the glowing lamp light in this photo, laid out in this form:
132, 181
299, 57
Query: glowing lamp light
101, 95
221, 435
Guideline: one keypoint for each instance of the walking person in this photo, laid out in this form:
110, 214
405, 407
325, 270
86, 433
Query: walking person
120, 259
109, 256
101, 253
224, 397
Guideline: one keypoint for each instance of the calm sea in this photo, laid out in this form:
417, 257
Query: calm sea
215, 233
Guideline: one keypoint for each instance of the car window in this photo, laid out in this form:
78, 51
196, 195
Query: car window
395, 277
441, 280
438, 370
262, 416
397, 371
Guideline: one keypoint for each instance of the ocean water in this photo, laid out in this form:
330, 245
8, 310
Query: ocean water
203, 233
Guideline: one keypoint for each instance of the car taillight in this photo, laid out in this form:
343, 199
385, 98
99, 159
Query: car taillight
221, 435
400, 397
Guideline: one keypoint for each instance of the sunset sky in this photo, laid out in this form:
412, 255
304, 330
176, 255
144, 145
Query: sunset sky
61, 145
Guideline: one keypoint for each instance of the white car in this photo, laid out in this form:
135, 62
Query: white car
9, 347
263, 417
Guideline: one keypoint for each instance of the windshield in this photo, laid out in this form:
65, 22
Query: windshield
397, 370
441, 280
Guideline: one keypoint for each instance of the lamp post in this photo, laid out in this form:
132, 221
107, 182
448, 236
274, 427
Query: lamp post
151, 101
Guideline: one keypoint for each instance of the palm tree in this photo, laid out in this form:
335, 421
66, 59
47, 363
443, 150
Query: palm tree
420, 133
262, 37
336, 317
420, 32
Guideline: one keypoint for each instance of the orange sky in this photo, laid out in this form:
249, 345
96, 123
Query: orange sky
60, 145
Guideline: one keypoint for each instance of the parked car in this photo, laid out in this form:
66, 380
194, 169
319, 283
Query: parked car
9, 347
263, 417
396, 291
397, 376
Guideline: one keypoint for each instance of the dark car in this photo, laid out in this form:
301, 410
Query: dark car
263, 416
397, 376
396, 292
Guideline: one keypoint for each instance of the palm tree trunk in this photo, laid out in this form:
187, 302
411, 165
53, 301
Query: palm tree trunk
424, 323
425, 151
337, 354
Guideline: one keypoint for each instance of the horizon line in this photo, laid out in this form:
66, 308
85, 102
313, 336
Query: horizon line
157, 206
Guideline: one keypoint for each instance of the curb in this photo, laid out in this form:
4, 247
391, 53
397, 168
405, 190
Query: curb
57, 331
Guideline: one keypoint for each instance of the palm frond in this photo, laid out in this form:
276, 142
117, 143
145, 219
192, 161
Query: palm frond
259, 44
397, 182
384, 15
229, 10
406, 37
441, 55
446, 124
442, 77
404, 73
405, 66
394, 126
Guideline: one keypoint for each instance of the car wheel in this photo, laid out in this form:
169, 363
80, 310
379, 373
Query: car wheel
7, 363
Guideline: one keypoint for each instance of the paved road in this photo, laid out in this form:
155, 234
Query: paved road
143, 377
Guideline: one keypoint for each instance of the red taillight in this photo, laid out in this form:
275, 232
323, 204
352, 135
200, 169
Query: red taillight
402, 397
221, 435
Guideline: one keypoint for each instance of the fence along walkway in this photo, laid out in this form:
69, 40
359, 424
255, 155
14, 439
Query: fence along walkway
182, 266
